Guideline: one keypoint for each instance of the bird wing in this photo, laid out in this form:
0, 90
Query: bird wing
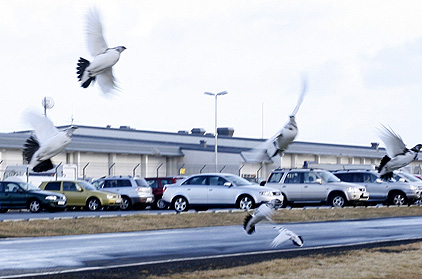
106, 81
94, 33
282, 236
302, 94
43, 127
393, 142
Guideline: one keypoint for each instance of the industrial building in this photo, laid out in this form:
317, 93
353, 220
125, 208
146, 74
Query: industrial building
101, 151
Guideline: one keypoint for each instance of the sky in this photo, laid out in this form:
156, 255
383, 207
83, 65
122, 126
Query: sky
362, 61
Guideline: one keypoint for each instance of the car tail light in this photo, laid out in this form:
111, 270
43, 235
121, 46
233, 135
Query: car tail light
164, 188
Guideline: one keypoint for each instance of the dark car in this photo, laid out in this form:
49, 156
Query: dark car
18, 195
157, 184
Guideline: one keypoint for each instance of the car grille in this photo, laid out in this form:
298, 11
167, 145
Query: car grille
362, 189
276, 193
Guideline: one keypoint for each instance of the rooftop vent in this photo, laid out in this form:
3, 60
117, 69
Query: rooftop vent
198, 131
228, 132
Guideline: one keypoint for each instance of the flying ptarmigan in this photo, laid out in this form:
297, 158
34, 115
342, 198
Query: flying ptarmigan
47, 142
264, 211
104, 58
398, 155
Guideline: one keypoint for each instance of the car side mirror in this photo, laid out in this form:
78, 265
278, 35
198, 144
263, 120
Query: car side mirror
80, 189
263, 183
318, 180
228, 184
378, 180
402, 179
20, 190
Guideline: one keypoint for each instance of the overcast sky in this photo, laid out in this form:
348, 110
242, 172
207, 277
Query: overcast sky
363, 60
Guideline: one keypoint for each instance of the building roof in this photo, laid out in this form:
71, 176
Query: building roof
130, 141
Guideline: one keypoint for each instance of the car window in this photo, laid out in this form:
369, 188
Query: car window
275, 177
11, 188
110, 184
141, 182
294, 177
369, 178
53, 186
216, 180
69, 186
123, 183
196, 180
153, 183
309, 177
166, 181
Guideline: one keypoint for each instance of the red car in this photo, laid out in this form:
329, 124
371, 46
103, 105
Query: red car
157, 185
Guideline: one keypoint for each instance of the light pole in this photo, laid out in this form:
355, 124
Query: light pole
215, 132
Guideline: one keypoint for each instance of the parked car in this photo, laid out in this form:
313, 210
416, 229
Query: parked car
217, 190
18, 195
315, 186
157, 184
135, 191
391, 192
80, 193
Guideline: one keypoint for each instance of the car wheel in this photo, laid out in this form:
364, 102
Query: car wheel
337, 200
93, 204
397, 198
245, 203
285, 201
34, 206
160, 204
180, 204
126, 203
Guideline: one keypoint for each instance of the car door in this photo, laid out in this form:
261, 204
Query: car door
75, 194
4, 202
292, 186
15, 195
312, 190
376, 187
196, 189
218, 193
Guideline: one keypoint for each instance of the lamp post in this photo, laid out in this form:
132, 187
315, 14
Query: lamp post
215, 132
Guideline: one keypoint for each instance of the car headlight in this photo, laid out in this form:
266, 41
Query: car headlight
266, 193
110, 197
51, 198
414, 188
353, 190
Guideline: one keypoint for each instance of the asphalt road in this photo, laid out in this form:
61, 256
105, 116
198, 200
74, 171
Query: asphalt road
51, 255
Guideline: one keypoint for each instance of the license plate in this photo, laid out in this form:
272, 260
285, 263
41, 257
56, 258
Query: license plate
149, 199
61, 203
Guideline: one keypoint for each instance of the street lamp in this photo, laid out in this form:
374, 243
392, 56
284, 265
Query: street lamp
215, 132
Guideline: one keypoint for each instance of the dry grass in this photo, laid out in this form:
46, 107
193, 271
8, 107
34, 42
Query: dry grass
399, 262
157, 222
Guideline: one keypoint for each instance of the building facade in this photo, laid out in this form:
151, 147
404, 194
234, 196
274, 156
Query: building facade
99, 151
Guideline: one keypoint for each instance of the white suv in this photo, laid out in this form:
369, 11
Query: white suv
315, 186
135, 191
392, 192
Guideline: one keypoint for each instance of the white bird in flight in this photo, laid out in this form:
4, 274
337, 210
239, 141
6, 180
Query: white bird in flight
278, 143
100, 68
284, 235
47, 143
398, 155
264, 211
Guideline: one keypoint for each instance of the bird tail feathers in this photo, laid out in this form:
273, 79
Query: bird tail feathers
245, 224
30, 147
82, 65
43, 166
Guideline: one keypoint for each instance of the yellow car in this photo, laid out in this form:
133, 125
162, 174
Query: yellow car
83, 194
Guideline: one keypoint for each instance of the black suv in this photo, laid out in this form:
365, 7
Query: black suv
18, 195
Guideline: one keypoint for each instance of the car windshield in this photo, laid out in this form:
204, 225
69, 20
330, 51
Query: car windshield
406, 176
141, 182
87, 186
236, 180
28, 186
328, 176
